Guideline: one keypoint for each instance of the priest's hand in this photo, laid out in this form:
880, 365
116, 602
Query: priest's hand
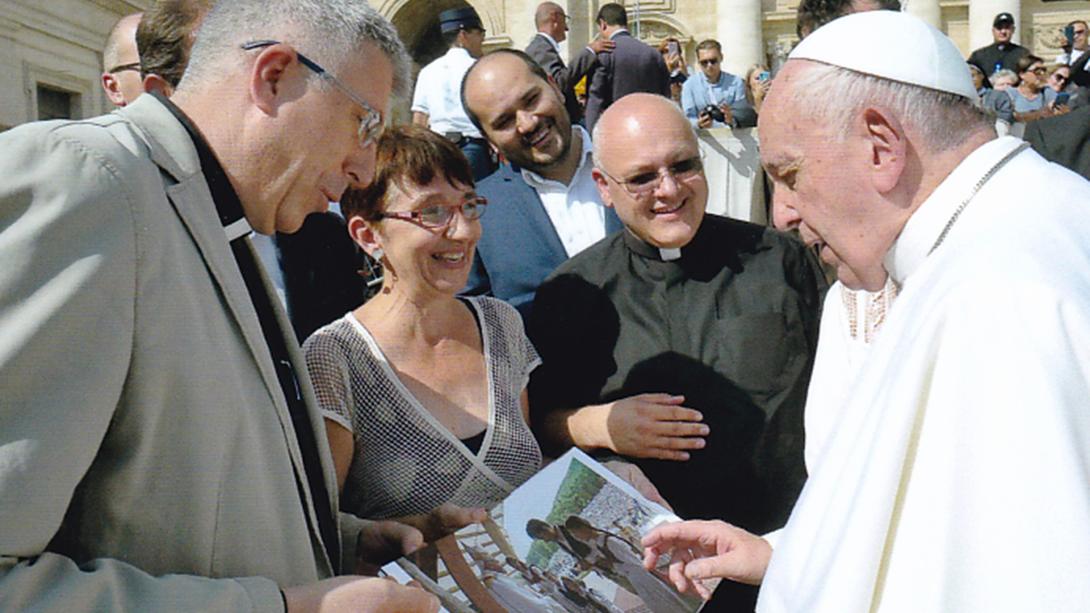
358, 595
701, 550
645, 426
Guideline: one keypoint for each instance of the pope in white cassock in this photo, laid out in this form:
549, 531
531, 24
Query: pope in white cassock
955, 476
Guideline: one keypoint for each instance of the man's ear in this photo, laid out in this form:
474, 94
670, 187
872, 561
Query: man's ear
112, 89
155, 83
603, 187
267, 76
363, 234
885, 139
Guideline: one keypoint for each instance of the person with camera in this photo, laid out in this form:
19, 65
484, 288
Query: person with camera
713, 98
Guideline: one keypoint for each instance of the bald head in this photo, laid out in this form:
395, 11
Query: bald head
550, 19
121, 63
649, 169
628, 121
545, 12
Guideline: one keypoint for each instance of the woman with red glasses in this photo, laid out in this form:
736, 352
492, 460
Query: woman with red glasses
424, 393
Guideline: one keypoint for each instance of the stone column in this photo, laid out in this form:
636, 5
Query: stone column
738, 29
927, 10
981, 14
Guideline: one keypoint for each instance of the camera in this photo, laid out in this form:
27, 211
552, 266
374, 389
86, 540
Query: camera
714, 112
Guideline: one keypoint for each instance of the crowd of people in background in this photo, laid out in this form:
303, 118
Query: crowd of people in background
221, 395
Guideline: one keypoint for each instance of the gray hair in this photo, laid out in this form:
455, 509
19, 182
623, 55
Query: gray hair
598, 136
1004, 73
327, 31
834, 96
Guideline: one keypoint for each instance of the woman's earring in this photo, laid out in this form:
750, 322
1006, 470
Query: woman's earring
373, 272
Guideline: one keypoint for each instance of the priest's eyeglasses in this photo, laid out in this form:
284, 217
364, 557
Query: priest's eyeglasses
440, 216
644, 184
371, 124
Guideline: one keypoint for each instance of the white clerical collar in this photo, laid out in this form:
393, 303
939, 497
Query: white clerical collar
552, 41
535, 180
928, 221
668, 254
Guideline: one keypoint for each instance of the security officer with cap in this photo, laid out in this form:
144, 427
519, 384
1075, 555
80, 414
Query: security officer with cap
1002, 53
437, 101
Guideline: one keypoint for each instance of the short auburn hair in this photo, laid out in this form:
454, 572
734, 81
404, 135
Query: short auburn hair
406, 155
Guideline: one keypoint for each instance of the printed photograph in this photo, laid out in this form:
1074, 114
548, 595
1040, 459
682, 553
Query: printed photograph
567, 540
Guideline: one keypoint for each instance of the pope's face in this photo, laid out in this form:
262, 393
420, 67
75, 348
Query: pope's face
819, 188
649, 174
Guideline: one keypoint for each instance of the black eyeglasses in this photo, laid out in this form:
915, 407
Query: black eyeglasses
711, 62
371, 124
134, 66
644, 184
440, 215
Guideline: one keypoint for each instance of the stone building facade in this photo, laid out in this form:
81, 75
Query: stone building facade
51, 52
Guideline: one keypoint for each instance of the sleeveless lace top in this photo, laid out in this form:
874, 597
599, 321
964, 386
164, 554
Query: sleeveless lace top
406, 462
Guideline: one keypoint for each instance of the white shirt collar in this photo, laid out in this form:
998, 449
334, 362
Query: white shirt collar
551, 40
927, 222
458, 51
536, 181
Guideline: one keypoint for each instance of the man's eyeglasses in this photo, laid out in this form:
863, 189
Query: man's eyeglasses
710, 62
1038, 70
135, 66
371, 125
645, 183
439, 216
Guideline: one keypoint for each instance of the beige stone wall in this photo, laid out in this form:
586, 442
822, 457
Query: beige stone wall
57, 44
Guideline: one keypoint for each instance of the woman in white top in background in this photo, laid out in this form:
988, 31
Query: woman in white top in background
424, 393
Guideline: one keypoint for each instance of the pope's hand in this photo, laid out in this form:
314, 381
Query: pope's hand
359, 595
705, 550
651, 426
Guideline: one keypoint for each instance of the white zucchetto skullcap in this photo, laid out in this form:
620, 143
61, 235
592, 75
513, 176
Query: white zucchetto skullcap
890, 45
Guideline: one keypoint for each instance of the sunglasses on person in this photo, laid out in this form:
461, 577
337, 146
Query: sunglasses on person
371, 124
1039, 70
709, 62
644, 184
440, 215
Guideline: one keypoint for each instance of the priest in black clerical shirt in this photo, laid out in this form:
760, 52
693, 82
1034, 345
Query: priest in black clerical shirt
683, 342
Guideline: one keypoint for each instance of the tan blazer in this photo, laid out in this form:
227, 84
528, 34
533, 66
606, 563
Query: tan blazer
143, 436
